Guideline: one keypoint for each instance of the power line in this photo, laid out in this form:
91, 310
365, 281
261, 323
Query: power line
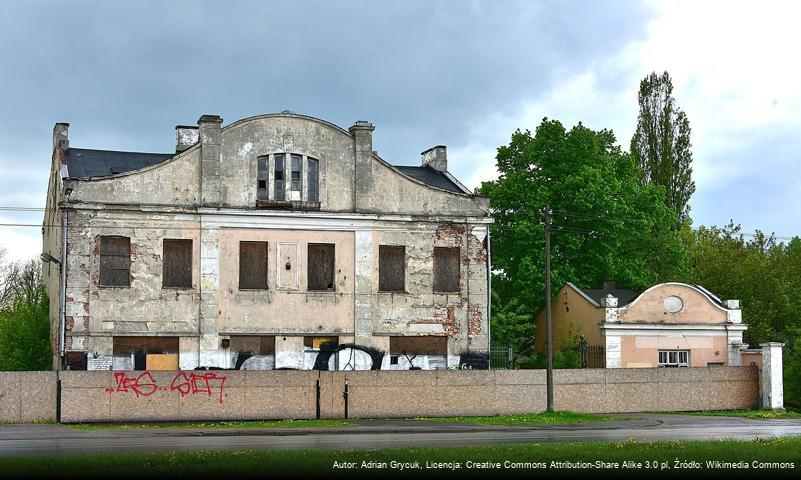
578, 229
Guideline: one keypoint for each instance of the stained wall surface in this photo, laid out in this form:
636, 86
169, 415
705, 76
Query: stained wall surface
27, 397
229, 395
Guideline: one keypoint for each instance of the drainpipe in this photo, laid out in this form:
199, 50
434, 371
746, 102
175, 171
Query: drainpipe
62, 303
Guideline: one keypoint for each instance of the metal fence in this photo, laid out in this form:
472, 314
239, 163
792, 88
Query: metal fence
501, 358
592, 356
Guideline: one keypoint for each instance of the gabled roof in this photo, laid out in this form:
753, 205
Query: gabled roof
82, 162
624, 297
431, 176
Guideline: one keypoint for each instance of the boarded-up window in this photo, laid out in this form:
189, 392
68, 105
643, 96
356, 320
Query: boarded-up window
320, 266
391, 268
446, 269
423, 345
115, 261
279, 177
313, 174
252, 265
177, 268
262, 177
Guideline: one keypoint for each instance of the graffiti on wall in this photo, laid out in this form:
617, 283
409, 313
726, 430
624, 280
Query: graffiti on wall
350, 357
185, 383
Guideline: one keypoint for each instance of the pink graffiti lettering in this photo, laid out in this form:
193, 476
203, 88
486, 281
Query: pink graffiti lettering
184, 383
144, 385
194, 383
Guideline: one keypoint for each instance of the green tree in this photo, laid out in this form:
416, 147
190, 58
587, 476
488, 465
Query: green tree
25, 332
661, 143
24, 322
765, 275
606, 223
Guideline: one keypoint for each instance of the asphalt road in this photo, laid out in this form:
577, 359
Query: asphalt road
372, 434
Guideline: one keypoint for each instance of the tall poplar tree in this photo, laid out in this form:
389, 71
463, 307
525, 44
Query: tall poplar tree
661, 143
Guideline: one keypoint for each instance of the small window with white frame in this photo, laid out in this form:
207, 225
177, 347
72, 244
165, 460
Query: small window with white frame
674, 358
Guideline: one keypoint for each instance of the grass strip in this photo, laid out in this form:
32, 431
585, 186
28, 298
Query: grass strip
740, 458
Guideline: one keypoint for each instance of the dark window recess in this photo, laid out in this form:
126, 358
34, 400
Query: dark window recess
252, 265
422, 345
313, 174
316, 343
320, 266
144, 345
115, 261
446, 269
262, 177
296, 161
254, 345
279, 177
177, 269
391, 268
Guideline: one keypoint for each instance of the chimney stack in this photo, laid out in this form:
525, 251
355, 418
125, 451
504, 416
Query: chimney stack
436, 158
185, 137
362, 133
61, 136
210, 137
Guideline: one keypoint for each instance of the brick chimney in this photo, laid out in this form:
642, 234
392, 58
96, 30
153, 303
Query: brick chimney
436, 158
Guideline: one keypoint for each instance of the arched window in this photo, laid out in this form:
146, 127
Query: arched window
288, 177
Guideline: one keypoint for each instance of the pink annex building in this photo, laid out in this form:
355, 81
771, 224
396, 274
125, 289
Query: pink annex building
668, 325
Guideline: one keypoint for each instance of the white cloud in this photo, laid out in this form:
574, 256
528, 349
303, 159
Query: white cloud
19, 243
736, 75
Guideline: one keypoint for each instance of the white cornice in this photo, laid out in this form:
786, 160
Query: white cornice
628, 329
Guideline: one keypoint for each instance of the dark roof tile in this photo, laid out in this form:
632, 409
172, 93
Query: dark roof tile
82, 162
430, 176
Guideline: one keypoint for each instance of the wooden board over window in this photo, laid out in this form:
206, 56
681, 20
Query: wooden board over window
391, 268
320, 266
422, 345
177, 267
161, 361
446, 269
252, 265
115, 261
253, 344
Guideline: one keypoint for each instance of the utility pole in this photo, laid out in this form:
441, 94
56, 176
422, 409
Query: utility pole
548, 333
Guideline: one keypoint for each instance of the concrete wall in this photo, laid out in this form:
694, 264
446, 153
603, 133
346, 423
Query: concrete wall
221, 395
27, 397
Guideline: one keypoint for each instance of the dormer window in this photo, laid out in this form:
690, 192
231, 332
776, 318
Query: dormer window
288, 180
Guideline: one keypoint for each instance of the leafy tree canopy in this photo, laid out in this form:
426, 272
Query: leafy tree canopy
661, 143
606, 223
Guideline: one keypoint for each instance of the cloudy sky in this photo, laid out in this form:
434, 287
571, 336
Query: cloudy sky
465, 74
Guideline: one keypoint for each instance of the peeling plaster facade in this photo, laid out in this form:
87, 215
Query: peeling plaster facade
208, 192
